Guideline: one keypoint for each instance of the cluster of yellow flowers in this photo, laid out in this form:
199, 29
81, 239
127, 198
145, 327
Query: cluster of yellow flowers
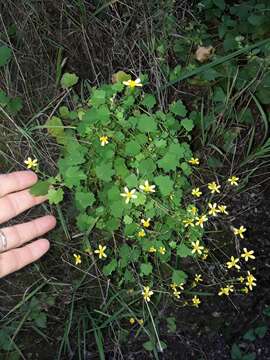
139, 321
198, 220
100, 252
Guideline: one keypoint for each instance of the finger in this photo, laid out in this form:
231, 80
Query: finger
16, 259
19, 234
16, 181
16, 203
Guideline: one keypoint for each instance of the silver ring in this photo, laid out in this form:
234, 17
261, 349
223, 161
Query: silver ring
3, 241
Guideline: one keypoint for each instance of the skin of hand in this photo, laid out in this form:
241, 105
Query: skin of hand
15, 198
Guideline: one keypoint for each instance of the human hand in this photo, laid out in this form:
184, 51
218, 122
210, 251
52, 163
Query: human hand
14, 199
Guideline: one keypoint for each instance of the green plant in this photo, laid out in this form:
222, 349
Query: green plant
129, 169
258, 332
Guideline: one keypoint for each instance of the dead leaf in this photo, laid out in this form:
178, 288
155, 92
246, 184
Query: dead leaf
204, 53
120, 76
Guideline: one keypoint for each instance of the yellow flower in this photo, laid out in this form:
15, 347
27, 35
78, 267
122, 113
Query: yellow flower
147, 188
132, 321
233, 263
241, 279
213, 187
31, 164
201, 220
196, 247
198, 278
240, 231
101, 252
248, 254
133, 83
129, 194
226, 290
152, 249
213, 209
140, 322
222, 209
205, 254
193, 210
245, 290
141, 233
233, 180
147, 293
188, 222
146, 223
177, 293
77, 259
196, 192
194, 161
196, 301
251, 281
104, 140
174, 286
162, 250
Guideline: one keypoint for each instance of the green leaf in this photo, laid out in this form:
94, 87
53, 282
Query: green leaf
236, 353
41, 320
55, 196
171, 324
140, 200
132, 148
56, 129
183, 250
149, 345
178, 108
168, 162
149, 101
249, 335
104, 171
5, 55
187, 124
219, 95
98, 98
256, 20
146, 123
131, 181
146, 269
84, 199
120, 167
165, 184
41, 188
220, 4
112, 224
85, 222
261, 331
187, 170
117, 208
146, 166
68, 80
104, 115
73, 176
266, 311
127, 219
64, 111
4, 99
14, 105
109, 268
178, 277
